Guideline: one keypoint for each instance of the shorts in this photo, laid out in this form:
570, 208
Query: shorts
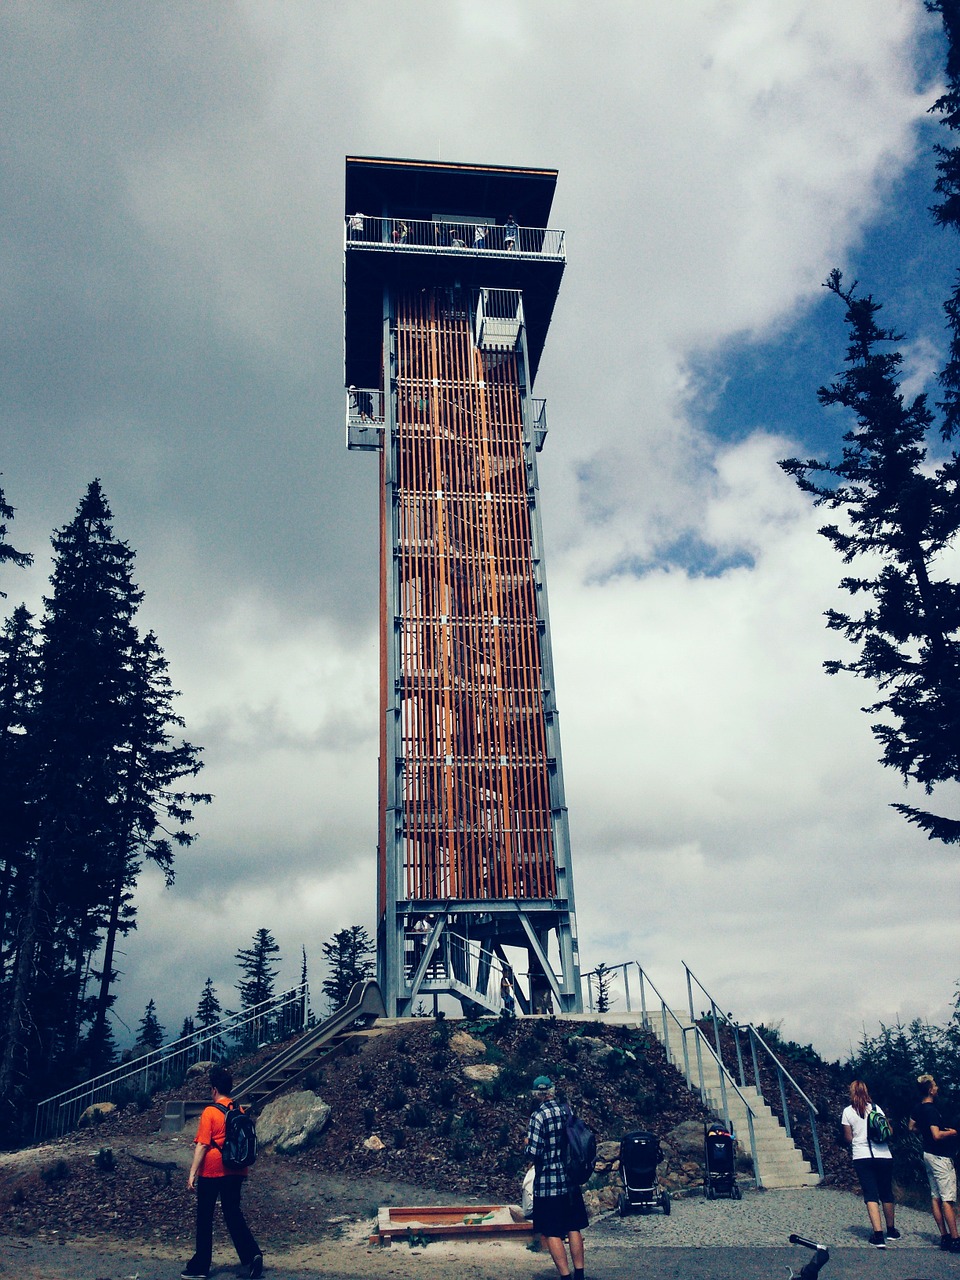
876, 1179
559, 1215
942, 1176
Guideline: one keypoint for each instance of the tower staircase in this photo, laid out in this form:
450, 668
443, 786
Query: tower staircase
722, 1084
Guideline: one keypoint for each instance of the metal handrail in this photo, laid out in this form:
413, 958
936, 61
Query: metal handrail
60, 1112
700, 1041
453, 236
754, 1036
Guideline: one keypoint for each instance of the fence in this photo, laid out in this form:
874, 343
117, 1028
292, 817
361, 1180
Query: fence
443, 236
265, 1023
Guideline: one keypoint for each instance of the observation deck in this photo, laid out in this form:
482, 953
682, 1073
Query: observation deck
412, 224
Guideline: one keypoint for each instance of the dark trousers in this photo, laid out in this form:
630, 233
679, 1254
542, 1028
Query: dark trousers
228, 1189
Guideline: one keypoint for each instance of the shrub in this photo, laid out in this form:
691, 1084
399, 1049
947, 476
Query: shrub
401, 1045
365, 1081
105, 1160
399, 1138
369, 1119
439, 1060
55, 1173
408, 1074
395, 1100
443, 1093
417, 1116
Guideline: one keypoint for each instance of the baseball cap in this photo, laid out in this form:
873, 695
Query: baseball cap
543, 1082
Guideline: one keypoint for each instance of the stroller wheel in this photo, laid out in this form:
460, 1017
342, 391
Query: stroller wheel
737, 1193
711, 1193
623, 1205
665, 1202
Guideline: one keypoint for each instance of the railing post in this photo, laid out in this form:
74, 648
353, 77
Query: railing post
736, 1035
626, 986
643, 997
686, 1058
693, 1016
756, 1065
783, 1099
816, 1141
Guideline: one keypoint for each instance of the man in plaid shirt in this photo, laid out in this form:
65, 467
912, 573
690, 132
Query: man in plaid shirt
558, 1210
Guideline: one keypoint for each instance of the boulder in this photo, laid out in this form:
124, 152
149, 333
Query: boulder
198, 1069
686, 1139
293, 1122
608, 1157
97, 1112
594, 1047
465, 1045
482, 1071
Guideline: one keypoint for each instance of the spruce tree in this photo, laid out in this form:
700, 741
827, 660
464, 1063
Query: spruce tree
900, 509
19, 658
256, 986
209, 1013
348, 955
150, 1033
9, 554
102, 775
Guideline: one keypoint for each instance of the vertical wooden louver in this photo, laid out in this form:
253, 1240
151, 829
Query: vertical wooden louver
473, 787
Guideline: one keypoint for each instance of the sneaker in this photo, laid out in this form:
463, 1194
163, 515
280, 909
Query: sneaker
252, 1269
954, 1245
877, 1240
893, 1234
945, 1243
188, 1273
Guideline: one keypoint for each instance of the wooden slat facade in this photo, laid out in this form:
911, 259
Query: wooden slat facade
473, 790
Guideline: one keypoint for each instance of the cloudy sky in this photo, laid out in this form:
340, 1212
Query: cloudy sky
170, 270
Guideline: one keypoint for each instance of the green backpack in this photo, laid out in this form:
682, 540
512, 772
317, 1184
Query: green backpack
878, 1126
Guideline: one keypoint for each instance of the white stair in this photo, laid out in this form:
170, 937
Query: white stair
780, 1162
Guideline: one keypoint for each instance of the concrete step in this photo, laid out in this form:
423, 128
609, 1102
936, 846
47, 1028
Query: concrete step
780, 1164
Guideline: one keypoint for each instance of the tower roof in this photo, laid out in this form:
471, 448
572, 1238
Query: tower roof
423, 188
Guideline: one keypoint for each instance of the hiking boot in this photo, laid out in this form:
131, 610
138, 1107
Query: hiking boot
189, 1273
252, 1269
945, 1243
893, 1234
877, 1240
954, 1245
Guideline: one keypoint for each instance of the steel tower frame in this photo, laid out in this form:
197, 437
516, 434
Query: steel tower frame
444, 325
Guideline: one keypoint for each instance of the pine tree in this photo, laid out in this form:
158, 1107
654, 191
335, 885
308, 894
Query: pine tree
8, 553
150, 1033
348, 955
18, 690
209, 1013
102, 769
150, 815
256, 986
901, 516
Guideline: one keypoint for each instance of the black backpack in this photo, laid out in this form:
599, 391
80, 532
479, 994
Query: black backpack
239, 1149
580, 1153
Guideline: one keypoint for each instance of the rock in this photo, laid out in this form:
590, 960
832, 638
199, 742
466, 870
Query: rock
482, 1071
198, 1069
373, 1143
608, 1155
97, 1112
592, 1045
687, 1139
465, 1045
293, 1122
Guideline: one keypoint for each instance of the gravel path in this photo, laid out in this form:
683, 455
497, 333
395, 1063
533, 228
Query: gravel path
836, 1218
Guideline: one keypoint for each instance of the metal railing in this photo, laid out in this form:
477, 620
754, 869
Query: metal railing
739, 1031
692, 1033
366, 417
451, 236
265, 1023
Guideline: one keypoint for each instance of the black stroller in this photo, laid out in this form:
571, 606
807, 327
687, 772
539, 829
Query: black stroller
720, 1175
639, 1156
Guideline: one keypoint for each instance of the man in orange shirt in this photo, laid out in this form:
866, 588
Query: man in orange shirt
213, 1180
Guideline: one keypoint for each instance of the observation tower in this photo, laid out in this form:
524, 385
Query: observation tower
450, 278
